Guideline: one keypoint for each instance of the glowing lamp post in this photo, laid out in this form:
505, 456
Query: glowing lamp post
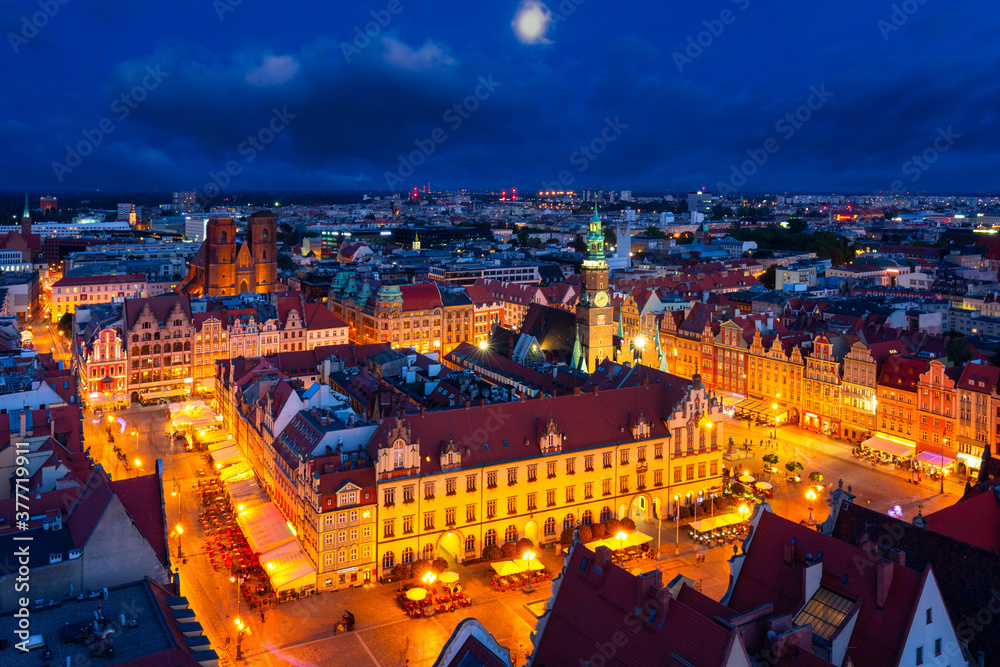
180, 547
811, 496
621, 537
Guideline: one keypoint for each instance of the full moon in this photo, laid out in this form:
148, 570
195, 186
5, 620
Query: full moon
532, 22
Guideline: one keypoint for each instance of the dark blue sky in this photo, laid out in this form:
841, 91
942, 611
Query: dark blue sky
885, 81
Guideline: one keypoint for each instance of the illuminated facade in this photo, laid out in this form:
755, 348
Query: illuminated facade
594, 313
453, 482
821, 398
858, 392
937, 408
776, 374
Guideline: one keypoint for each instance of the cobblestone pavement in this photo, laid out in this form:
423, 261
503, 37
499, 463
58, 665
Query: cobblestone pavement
301, 632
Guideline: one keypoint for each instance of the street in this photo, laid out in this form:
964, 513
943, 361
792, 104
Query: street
302, 632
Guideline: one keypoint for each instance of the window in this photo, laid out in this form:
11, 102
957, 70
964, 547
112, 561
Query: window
606, 487
388, 560
937, 646
920, 655
930, 615
470, 483
640, 454
690, 472
449, 486
549, 527
658, 450
714, 468
569, 522
588, 490
511, 476
640, 480
701, 470
512, 505
550, 469
491, 509
550, 497
407, 556
388, 528
607, 459
428, 490
605, 513
532, 472
658, 477
490, 538
470, 513
624, 457
491, 480
677, 475
510, 535
570, 494
470, 544
570, 466
588, 462
408, 494
428, 520
407, 524
623, 484
449, 516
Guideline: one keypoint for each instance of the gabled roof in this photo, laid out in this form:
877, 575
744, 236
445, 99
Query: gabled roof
159, 306
420, 297
975, 521
143, 500
902, 373
319, 317
979, 377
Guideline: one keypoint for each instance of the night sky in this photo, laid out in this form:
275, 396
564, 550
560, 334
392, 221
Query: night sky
663, 95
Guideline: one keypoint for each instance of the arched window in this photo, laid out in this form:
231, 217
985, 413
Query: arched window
135, 350
388, 560
588, 518
187, 346
407, 557
470, 544
265, 234
569, 522
550, 526
156, 349
605, 513
145, 349
156, 336
428, 553
135, 338
223, 238
397, 454
264, 254
490, 538
510, 535
178, 347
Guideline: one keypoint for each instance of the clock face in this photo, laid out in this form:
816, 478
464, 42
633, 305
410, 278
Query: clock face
601, 299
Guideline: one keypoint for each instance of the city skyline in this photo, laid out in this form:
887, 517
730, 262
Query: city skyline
870, 98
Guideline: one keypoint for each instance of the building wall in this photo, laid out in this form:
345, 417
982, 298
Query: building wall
151, 367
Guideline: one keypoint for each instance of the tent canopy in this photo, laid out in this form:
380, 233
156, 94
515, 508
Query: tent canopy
264, 527
933, 459
505, 568
288, 567
893, 447
226, 456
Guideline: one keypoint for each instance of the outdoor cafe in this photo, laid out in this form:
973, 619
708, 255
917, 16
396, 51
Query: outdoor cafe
522, 573
716, 531
435, 594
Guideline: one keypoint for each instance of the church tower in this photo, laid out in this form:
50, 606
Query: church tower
26, 219
263, 238
594, 313
220, 257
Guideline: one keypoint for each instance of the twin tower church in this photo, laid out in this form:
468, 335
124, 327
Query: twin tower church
228, 263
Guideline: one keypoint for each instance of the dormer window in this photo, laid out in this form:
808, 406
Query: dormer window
398, 454
551, 439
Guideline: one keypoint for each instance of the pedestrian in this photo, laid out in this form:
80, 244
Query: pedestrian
262, 617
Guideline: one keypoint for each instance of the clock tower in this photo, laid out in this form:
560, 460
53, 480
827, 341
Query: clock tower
594, 314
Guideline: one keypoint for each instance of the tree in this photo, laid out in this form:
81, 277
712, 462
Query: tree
610, 237
421, 567
439, 565
793, 466
66, 324
628, 525
597, 531
737, 489
491, 552
612, 527
586, 532
402, 571
285, 262
579, 245
957, 349
655, 232
770, 459
767, 279
797, 225
566, 537
509, 550
816, 477
524, 544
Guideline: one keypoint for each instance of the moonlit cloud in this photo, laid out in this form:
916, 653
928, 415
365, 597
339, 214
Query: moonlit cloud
275, 71
428, 56
531, 22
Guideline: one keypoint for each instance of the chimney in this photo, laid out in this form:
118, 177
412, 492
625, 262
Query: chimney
576, 391
897, 556
24, 422
790, 553
468, 404
595, 390
883, 582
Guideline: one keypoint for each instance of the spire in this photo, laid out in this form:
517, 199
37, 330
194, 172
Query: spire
621, 330
27, 211
577, 350
595, 221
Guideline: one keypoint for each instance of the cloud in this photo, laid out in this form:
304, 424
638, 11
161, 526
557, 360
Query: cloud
429, 56
275, 71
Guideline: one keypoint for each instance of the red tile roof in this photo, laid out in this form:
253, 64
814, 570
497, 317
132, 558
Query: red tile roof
902, 373
159, 306
979, 377
420, 297
765, 578
975, 521
319, 316
143, 500
597, 602
90, 507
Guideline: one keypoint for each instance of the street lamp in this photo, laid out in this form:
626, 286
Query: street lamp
943, 441
180, 547
621, 537
677, 523
811, 496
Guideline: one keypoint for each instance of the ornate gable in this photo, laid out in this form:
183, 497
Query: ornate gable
451, 455
641, 426
550, 439
399, 454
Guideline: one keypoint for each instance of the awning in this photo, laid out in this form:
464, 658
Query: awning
506, 568
226, 456
236, 473
245, 493
634, 539
893, 447
264, 527
932, 459
288, 567
714, 523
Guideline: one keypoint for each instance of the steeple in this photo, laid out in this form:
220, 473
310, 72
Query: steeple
577, 350
595, 243
26, 218
27, 211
